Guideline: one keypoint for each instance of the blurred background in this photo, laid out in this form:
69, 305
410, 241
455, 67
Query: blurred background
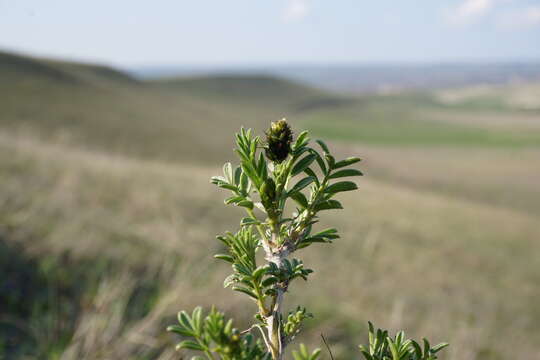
114, 115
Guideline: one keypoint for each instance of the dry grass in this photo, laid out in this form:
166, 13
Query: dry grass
518, 96
506, 178
486, 119
453, 268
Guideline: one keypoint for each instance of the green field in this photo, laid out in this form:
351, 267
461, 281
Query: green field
107, 216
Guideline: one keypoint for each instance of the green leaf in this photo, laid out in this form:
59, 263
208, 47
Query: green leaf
227, 171
417, 350
301, 140
245, 203
427, 347
393, 349
237, 174
330, 160
245, 291
250, 172
300, 199
332, 232
224, 257
260, 271
439, 347
323, 146
340, 187
303, 244
344, 173
180, 330
253, 146
244, 182
233, 199
196, 319
300, 151
217, 179
320, 161
227, 186
249, 221
328, 205
188, 344
270, 281
301, 165
262, 170
301, 184
366, 354
183, 319
346, 162
242, 269
311, 173
326, 236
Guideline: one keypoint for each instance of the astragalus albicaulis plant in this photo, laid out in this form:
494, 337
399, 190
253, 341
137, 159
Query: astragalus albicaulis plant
271, 173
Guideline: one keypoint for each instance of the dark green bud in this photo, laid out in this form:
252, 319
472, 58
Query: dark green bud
268, 192
268, 196
278, 141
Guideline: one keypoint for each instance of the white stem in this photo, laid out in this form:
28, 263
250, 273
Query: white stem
273, 320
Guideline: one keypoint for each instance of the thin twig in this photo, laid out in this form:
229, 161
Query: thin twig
248, 330
328, 347
266, 342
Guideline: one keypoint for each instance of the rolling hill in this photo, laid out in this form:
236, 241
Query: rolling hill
100, 107
16, 68
241, 88
175, 120
374, 78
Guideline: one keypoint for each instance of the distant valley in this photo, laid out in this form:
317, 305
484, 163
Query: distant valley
389, 78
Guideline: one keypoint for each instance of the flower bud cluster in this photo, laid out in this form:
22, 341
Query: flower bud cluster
278, 141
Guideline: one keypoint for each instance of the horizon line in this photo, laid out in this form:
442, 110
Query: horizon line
274, 64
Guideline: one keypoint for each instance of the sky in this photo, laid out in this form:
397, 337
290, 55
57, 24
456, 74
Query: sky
259, 32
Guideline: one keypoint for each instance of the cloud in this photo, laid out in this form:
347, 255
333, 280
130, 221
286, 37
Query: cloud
295, 10
469, 11
526, 17
532, 15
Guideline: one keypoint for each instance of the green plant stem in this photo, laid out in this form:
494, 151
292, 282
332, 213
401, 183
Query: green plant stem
259, 227
209, 355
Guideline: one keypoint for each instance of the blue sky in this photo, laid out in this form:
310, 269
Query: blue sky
257, 32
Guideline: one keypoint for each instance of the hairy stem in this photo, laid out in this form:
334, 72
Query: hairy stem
274, 320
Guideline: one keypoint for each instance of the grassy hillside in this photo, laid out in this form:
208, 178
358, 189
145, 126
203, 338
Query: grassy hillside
241, 88
107, 217
419, 119
111, 232
17, 69
101, 108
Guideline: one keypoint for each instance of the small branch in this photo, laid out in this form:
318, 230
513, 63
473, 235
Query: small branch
327, 347
260, 229
263, 336
248, 329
